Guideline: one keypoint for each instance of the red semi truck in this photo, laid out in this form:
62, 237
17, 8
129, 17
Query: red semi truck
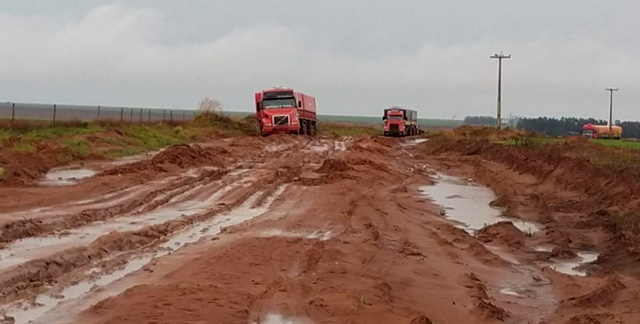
284, 110
400, 122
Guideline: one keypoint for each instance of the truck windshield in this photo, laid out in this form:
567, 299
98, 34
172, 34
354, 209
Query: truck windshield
279, 103
395, 117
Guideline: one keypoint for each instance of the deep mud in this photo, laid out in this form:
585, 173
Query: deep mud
288, 229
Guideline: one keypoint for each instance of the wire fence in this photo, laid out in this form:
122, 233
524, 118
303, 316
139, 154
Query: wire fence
64, 113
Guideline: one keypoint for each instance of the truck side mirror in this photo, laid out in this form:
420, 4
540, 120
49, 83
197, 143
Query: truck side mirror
257, 106
299, 103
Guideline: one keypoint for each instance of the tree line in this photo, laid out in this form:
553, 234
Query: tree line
564, 126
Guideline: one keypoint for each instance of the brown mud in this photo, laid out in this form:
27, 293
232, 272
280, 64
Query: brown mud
351, 240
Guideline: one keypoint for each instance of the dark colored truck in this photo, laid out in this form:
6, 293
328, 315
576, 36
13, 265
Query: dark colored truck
400, 122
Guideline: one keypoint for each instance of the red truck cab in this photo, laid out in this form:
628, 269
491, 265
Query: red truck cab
400, 122
590, 131
283, 110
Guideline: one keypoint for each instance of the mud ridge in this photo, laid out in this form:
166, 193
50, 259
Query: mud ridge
20, 229
600, 297
502, 232
178, 156
29, 277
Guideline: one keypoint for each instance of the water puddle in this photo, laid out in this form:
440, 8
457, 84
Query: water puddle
66, 177
279, 319
569, 266
319, 148
46, 303
135, 158
32, 248
467, 204
415, 141
276, 147
510, 292
45, 311
322, 236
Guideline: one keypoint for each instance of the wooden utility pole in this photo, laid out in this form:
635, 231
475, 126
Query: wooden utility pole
500, 57
611, 90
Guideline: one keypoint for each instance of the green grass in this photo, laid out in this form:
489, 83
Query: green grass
625, 144
619, 143
24, 147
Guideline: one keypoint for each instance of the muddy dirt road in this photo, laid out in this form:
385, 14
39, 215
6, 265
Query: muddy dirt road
299, 230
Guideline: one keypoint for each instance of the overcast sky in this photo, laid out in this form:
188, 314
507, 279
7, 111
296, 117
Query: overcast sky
357, 57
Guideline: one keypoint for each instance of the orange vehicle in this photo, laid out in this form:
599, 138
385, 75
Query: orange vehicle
601, 131
283, 110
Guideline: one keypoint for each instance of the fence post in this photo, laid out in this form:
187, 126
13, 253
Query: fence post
183, 115
55, 109
13, 111
130, 114
98, 113
149, 115
141, 115
164, 115
121, 114
171, 115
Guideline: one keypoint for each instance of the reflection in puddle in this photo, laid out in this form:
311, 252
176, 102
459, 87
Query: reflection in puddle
568, 266
66, 177
467, 204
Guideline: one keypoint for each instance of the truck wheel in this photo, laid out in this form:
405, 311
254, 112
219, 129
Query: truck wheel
313, 130
303, 127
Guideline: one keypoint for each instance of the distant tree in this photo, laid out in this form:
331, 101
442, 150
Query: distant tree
480, 120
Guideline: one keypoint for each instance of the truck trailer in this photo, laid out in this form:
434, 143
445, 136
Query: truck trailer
400, 122
601, 131
284, 110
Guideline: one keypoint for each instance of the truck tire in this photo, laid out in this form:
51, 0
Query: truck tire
303, 127
313, 130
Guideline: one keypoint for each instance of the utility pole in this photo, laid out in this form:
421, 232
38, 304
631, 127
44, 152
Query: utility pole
500, 57
611, 90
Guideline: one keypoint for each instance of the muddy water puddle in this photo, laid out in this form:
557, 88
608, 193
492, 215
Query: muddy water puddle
572, 267
274, 318
414, 141
56, 309
467, 204
319, 235
66, 177
31, 248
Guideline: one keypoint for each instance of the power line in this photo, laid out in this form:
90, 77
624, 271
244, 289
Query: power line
500, 57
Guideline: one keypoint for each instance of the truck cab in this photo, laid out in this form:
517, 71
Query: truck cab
400, 122
283, 110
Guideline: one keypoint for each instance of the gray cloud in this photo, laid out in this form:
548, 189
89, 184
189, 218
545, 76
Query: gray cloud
356, 58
